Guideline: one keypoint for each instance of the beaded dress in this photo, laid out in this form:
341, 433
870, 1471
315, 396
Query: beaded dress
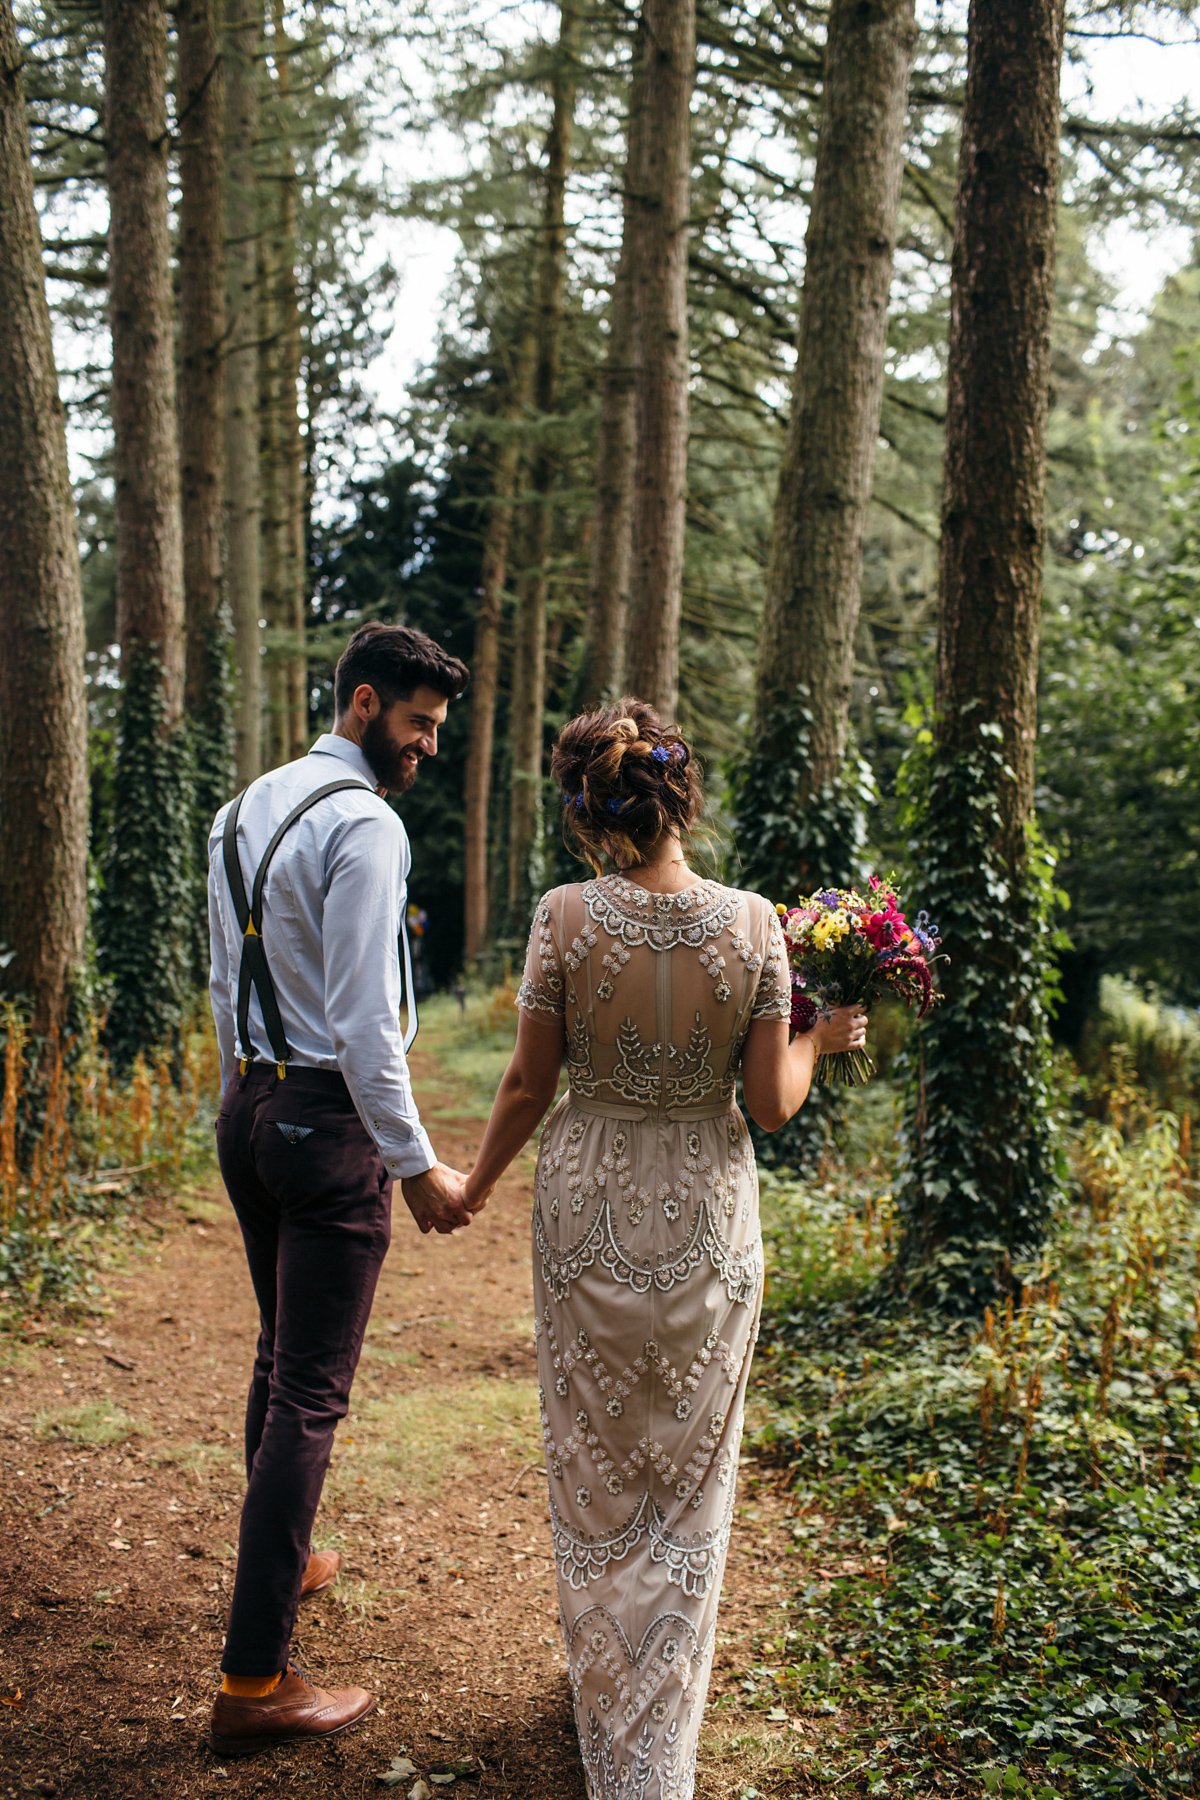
647, 1269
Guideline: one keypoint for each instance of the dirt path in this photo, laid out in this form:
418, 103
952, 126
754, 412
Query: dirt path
119, 1501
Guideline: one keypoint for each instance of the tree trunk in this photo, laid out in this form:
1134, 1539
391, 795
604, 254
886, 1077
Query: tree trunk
1001, 298
43, 712
273, 494
603, 663
526, 728
243, 34
815, 565
485, 661
292, 483
200, 107
980, 1176
658, 195
147, 895
149, 528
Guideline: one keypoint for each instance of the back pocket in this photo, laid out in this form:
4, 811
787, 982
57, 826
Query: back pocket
295, 1134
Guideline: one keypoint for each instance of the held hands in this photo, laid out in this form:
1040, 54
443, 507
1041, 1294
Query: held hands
475, 1194
845, 1029
436, 1200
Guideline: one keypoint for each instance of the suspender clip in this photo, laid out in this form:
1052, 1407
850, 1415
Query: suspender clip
242, 1064
281, 1071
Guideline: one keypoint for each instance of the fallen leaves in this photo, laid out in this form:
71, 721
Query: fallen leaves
399, 1770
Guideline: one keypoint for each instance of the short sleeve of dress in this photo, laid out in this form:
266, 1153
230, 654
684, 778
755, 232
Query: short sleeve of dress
773, 1000
541, 990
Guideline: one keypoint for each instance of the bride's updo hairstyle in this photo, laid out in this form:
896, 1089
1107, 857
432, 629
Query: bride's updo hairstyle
625, 778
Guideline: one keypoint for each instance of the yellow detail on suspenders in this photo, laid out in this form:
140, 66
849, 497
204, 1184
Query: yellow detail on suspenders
250, 931
281, 1071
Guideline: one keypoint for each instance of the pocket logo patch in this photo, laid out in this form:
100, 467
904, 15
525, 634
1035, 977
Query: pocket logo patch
295, 1134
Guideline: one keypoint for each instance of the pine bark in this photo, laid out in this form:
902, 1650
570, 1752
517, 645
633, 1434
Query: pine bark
149, 531
526, 731
144, 924
1001, 299
485, 661
243, 37
292, 481
272, 487
201, 112
978, 1175
815, 564
43, 714
602, 665
659, 187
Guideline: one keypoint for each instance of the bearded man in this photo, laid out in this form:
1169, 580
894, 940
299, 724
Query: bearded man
307, 885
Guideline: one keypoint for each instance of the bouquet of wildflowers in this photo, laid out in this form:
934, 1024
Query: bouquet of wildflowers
845, 950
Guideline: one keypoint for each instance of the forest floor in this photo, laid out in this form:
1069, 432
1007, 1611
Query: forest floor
120, 1435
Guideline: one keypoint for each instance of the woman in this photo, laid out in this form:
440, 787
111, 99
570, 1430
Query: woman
647, 1261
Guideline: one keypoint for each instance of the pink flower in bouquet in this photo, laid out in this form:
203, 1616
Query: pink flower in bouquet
805, 1012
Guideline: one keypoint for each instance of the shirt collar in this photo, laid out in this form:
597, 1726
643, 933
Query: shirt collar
349, 753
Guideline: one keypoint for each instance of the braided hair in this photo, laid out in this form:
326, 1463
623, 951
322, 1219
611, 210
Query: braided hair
625, 778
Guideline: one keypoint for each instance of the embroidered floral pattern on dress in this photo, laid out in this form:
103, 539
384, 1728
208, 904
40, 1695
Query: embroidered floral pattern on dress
544, 995
690, 1562
740, 1271
581, 1558
773, 999
647, 1274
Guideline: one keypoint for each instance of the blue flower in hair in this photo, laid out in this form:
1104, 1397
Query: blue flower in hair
616, 806
660, 753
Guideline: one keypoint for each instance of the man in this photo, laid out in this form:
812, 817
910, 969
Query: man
317, 1118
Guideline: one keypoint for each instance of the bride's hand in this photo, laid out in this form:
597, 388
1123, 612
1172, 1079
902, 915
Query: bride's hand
475, 1194
845, 1029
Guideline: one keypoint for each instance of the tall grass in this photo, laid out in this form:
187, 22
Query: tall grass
73, 1138
1135, 1036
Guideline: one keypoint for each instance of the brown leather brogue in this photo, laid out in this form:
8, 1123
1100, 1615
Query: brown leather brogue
296, 1709
321, 1573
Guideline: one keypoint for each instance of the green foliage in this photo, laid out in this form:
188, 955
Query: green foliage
790, 842
1007, 1520
786, 847
977, 1169
407, 557
1119, 763
144, 936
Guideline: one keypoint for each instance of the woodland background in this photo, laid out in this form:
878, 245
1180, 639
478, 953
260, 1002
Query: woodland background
777, 380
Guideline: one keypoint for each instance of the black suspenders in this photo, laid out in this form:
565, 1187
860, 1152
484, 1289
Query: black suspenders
253, 972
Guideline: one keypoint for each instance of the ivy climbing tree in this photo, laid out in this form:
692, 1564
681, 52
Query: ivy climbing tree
145, 913
977, 1179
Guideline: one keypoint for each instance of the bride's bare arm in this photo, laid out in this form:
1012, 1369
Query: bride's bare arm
776, 1075
526, 1091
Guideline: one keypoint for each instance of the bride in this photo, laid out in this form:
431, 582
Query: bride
659, 987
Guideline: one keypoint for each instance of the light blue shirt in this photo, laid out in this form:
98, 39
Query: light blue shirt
332, 907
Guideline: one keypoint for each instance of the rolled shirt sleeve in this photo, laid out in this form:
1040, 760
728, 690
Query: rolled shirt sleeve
366, 875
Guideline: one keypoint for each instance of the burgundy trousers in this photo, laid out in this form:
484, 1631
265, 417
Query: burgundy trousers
314, 1203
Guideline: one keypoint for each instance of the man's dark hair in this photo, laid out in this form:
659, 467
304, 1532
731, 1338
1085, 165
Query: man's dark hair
396, 661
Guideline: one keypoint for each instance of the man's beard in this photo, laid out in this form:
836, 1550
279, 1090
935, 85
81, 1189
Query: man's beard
389, 764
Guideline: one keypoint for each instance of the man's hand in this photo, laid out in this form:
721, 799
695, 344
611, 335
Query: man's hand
435, 1199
